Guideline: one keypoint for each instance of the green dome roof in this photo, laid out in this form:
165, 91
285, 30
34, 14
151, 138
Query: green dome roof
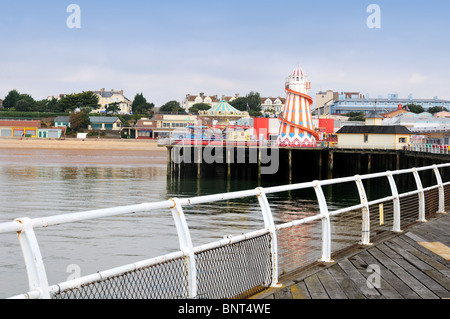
224, 108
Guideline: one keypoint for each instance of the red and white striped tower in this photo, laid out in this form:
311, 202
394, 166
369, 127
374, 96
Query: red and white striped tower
296, 127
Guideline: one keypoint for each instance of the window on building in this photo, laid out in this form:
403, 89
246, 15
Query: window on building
366, 138
402, 139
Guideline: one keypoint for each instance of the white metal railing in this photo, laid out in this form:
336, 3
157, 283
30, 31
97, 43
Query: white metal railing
429, 148
422, 148
37, 276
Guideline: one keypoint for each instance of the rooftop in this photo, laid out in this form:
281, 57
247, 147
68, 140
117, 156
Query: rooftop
374, 129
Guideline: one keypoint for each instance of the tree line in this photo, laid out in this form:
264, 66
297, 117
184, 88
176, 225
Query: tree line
88, 101
85, 102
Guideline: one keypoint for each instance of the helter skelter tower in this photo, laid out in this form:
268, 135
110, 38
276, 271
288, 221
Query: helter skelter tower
296, 127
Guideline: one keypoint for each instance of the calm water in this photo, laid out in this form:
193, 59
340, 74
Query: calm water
39, 183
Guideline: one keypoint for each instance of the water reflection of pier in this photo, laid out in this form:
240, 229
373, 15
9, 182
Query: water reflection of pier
288, 164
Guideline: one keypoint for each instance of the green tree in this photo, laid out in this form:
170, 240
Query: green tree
140, 105
199, 107
85, 100
53, 106
251, 103
414, 108
25, 103
113, 108
11, 99
49, 106
356, 116
436, 109
79, 121
172, 107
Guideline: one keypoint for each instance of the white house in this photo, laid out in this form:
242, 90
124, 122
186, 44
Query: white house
108, 97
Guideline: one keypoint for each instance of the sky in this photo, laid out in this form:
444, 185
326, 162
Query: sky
167, 49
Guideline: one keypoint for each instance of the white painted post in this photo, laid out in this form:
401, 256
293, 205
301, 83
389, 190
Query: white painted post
270, 226
365, 232
421, 196
441, 190
396, 226
37, 276
326, 227
184, 238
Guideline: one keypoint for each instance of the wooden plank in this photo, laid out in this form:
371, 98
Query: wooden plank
359, 280
331, 286
385, 289
440, 278
396, 246
398, 285
347, 285
424, 279
315, 288
427, 256
283, 293
299, 291
407, 238
428, 235
438, 248
407, 278
438, 226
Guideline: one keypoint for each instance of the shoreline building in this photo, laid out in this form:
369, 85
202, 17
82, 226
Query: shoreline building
374, 135
28, 129
105, 98
272, 106
329, 102
296, 124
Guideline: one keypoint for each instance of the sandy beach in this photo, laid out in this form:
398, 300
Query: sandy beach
79, 144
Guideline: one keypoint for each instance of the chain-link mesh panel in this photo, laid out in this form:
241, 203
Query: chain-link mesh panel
238, 270
166, 280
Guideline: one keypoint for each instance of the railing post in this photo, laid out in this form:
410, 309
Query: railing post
396, 227
365, 232
441, 190
326, 225
270, 226
37, 277
421, 196
186, 247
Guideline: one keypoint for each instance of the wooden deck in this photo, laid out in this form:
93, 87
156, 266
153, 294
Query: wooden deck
412, 265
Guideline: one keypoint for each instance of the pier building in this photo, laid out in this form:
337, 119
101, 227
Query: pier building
374, 135
330, 102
